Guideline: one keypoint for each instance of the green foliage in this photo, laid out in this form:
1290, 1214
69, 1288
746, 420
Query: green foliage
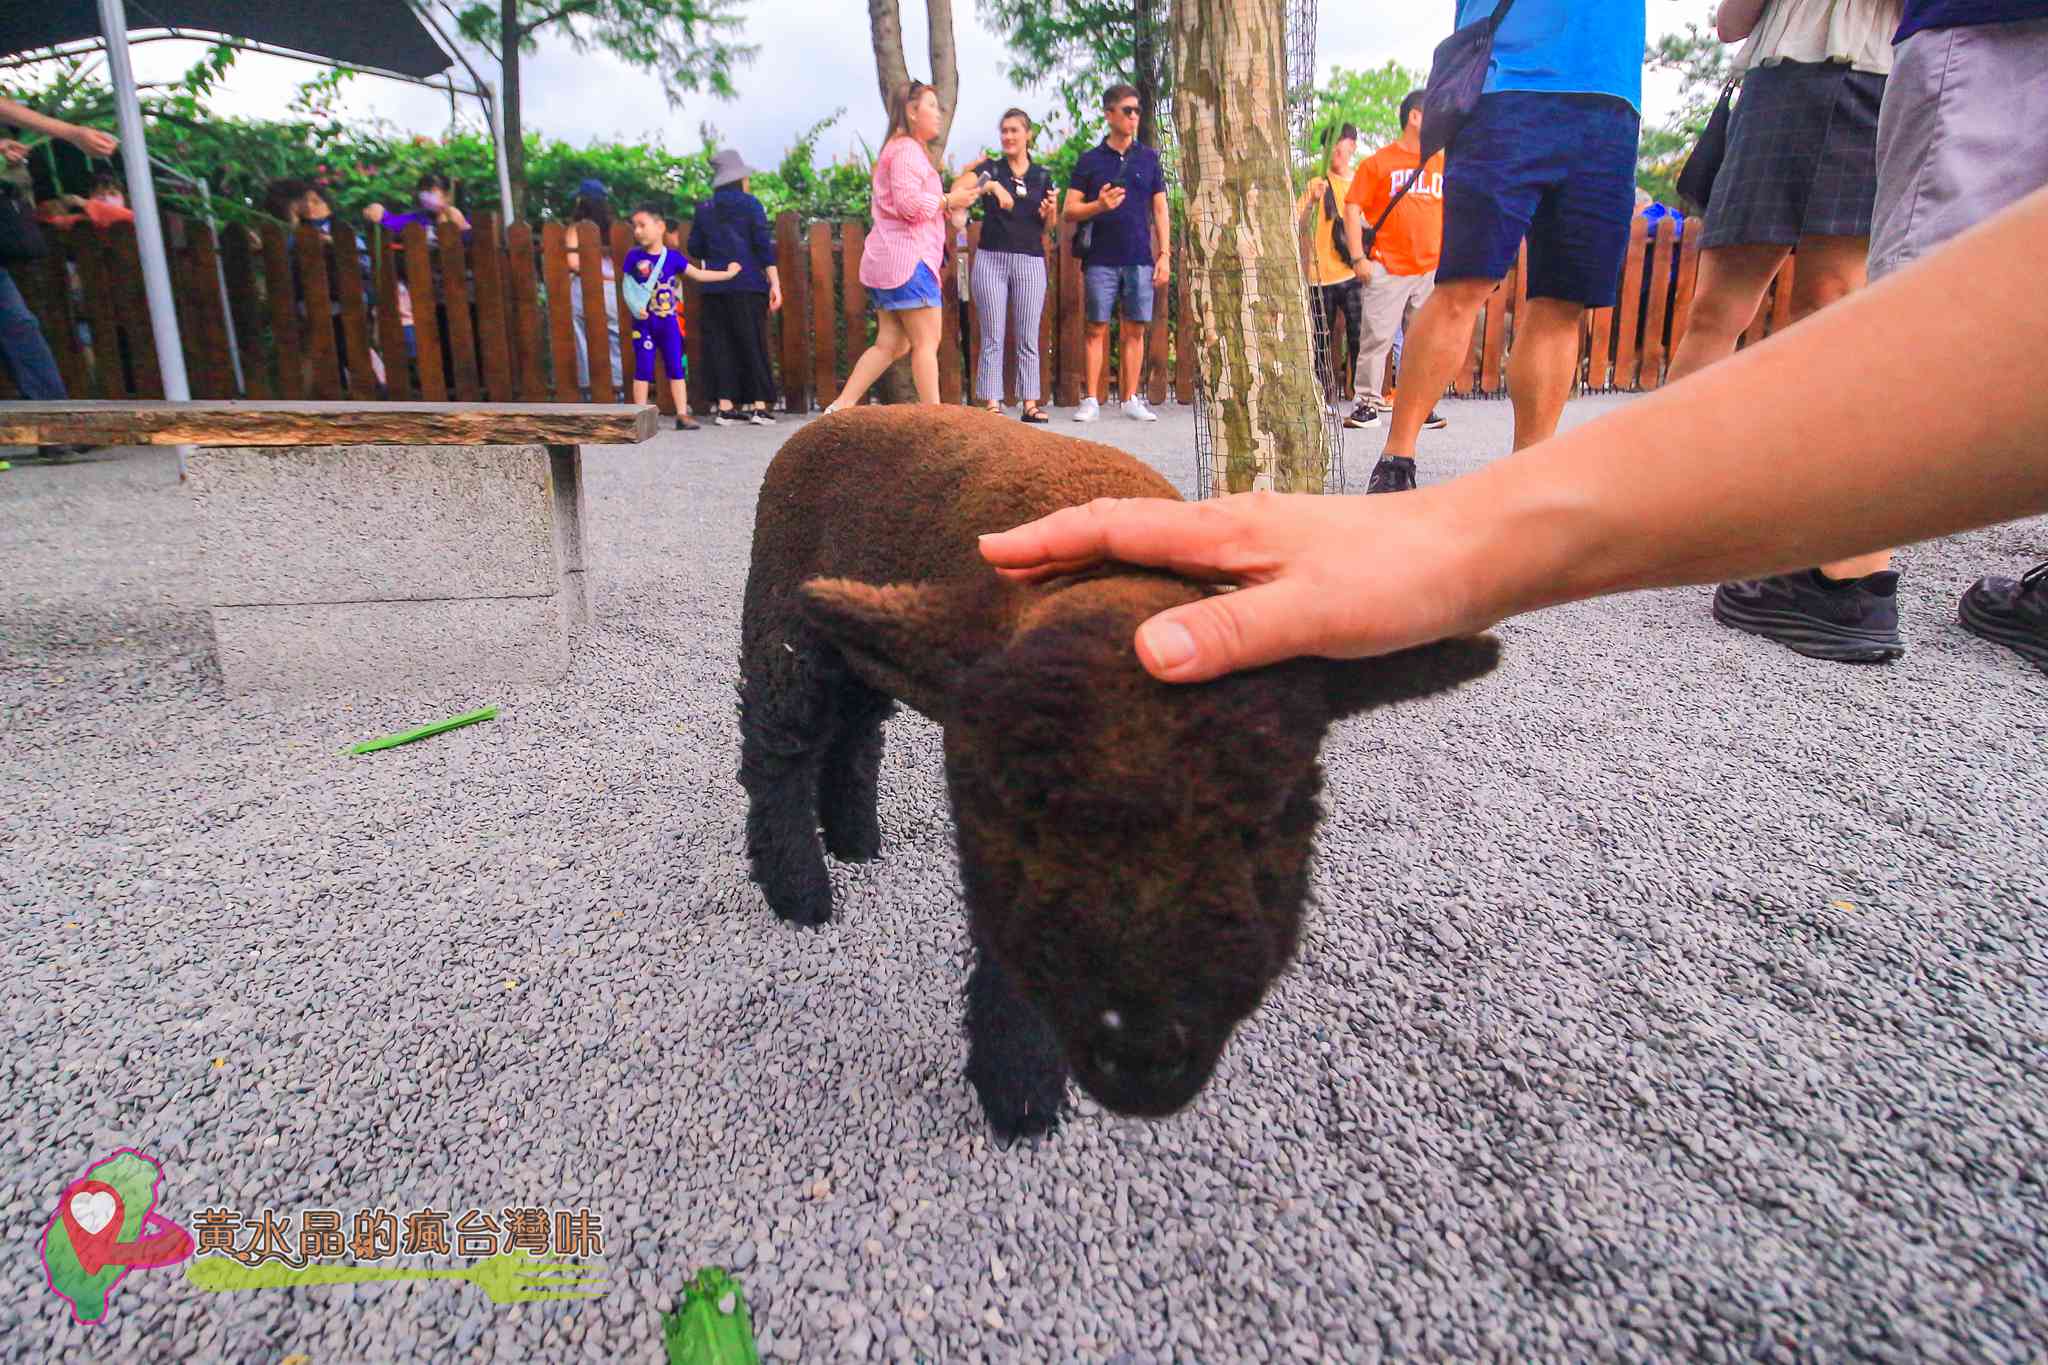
359, 164
1079, 47
683, 42
1705, 65
1369, 100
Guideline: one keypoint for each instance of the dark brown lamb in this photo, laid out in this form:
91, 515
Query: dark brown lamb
1134, 854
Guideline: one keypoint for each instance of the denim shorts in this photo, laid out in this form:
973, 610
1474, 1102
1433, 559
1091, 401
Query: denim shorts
1105, 285
1558, 169
921, 290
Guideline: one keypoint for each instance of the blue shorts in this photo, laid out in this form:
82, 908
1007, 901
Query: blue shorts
652, 334
1558, 169
1105, 285
921, 290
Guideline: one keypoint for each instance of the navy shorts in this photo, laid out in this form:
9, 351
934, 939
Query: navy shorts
651, 335
1558, 169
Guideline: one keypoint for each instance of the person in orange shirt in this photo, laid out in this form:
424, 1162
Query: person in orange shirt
106, 207
1398, 273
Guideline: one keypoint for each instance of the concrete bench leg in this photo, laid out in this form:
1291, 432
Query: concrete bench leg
565, 463
391, 568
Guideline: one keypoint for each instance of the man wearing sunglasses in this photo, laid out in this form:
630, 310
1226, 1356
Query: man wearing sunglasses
1118, 196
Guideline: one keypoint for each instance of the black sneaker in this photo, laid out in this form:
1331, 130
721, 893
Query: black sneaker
1856, 621
1436, 421
759, 418
725, 417
1364, 415
1393, 474
2011, 613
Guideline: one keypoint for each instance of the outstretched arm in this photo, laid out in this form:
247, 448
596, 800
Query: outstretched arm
91, 141
1805, 449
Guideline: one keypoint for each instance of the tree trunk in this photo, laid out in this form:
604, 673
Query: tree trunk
1250, 301
945, 71
885, 24
515, 141
1145, 58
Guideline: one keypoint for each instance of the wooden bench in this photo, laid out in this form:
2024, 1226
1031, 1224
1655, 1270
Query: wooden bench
376, 546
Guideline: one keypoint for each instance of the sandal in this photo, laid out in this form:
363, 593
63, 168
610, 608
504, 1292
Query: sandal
1033, 414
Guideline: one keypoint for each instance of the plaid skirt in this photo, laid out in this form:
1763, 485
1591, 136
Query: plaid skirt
1802, 156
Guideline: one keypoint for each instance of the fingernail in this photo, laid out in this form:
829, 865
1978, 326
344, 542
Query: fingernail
1169, 643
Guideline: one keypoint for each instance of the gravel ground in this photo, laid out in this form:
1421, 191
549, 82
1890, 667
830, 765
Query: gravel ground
1670, 996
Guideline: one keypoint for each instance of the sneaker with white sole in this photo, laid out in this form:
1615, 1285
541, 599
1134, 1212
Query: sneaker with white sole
725, 417
1088, 411
1362, 416
758, 418
1135, 409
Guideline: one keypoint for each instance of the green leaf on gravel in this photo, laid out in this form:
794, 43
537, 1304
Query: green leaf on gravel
710, 1326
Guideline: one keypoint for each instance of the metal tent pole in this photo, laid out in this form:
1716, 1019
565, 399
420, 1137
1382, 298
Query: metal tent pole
497, 113
149, 228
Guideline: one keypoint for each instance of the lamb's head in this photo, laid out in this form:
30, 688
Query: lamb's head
1135, 853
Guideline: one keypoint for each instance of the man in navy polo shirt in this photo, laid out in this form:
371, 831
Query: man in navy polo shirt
1549, 154
1118, 195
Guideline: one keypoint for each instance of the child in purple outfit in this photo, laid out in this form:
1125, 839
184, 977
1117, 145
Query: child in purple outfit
652, 281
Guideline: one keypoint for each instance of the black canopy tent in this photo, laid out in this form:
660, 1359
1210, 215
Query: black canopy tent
380, 37
385, 34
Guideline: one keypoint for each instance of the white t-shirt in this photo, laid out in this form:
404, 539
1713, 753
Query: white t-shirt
1855, 31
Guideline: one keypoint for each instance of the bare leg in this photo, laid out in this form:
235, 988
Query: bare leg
1546, 361
1830, 269
639, 392
1098, 358
924, 326
1132, 369
680, 391
1439, 340
891, 342
1732, 284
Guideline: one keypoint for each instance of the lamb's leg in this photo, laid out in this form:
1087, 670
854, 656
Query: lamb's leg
1013, 1058
846, 784
785, 727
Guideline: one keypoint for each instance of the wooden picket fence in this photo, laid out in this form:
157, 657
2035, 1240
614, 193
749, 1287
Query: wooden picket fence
492, 320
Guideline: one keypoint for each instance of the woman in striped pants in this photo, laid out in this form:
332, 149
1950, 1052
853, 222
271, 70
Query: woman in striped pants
1008, 280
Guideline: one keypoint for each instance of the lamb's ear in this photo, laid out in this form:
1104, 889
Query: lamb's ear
1355, 685
910, 640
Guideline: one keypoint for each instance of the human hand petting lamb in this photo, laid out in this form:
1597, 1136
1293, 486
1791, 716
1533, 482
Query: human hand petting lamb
1134, 854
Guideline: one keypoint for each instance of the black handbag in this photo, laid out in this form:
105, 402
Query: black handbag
1457, 78
1339, 239
21, 237
1696, 180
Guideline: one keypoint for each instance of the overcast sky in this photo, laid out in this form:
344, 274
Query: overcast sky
815, 57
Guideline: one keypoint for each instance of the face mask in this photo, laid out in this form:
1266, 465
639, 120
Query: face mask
431, 200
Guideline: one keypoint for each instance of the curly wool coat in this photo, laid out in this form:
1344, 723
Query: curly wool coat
1134, 854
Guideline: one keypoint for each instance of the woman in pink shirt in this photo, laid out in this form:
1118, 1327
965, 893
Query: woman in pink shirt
900, 265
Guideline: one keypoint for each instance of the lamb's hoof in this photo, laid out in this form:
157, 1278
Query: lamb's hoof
805, 900
862, 844
1016, 1112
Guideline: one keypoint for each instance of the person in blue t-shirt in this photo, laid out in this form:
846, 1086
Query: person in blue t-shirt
1550, 155
651, 277
1118, 196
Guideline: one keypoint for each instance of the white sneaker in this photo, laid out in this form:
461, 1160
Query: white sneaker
1088, 411
1135, 409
